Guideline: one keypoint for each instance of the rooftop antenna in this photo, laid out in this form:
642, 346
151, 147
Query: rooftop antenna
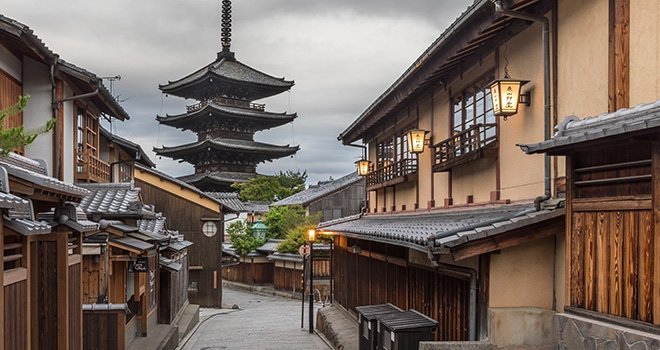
112, 80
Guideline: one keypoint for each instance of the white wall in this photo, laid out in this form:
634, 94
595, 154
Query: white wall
10, 63
36, 83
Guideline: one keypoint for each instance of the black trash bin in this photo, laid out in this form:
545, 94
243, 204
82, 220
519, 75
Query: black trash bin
404, 330
367, 323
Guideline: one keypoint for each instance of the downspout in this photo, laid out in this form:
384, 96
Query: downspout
431, 245
55, 108
364, 156
499, 9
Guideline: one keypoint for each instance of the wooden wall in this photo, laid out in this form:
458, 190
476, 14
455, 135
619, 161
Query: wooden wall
104, 330
173, 291
75, 306
368, 273
250, 273
93, 281
10, 90
15, 312
204, 254
612, 257
287, 276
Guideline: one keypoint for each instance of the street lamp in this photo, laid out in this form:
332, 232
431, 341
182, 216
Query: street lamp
311, 237
506, 96
417, 140
363, 167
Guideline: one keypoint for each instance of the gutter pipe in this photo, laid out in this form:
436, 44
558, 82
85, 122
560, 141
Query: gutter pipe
499, 9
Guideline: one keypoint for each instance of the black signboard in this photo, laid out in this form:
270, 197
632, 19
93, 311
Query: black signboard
141, 264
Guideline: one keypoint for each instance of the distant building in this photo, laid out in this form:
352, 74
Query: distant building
334, 198
225, 119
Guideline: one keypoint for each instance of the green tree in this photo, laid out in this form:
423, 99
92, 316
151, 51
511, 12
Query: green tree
241, 238
282, 219
15, 138
272, 188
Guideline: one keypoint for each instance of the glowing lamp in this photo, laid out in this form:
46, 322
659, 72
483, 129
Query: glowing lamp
506, 96
363, 167
417, 140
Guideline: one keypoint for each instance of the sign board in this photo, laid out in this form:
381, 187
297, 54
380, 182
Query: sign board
303, 250
141, 264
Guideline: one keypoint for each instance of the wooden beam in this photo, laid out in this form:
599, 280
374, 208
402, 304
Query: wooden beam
62, 291
656, 232
509, 239
611, 204
619, 54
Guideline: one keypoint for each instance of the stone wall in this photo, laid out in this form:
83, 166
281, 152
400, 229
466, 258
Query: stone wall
576, 332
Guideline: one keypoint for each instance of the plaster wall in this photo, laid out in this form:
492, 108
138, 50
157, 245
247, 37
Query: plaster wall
527, 267
476, 178
406, 194
424, 160
582, 58
36, 82
644, 51
521, 175
440, 132
10, 63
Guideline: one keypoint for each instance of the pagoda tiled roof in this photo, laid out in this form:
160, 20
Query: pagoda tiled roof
227, 77
263, 120
217, 180
259, 151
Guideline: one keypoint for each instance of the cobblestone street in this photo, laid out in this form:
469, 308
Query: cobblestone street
262, 322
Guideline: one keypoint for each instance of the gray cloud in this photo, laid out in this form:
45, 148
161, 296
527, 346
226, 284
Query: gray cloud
342, 54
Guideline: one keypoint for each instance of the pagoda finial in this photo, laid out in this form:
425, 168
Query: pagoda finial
225, 34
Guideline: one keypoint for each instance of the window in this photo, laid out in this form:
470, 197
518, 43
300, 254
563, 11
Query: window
394, 149
87, 141
473, 107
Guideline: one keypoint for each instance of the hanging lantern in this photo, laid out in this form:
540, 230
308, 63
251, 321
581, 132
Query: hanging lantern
506, 96
417, 140
363, 167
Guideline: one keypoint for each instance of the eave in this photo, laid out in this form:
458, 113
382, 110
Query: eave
256, 151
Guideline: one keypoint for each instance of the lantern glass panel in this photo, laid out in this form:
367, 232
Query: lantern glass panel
416, 140
362, 167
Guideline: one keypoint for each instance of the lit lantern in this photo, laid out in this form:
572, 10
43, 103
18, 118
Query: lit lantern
506, 96
363, 167
311, 235
417, 140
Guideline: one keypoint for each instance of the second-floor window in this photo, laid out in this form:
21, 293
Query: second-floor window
87, 140
393, 149
472, 107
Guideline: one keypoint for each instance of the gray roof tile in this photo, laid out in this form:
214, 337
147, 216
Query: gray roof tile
113, 199
320, 190
573, 131
34, 172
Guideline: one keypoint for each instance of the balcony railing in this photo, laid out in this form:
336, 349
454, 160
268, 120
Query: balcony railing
392, 173
92, 169
226, 102
478, 141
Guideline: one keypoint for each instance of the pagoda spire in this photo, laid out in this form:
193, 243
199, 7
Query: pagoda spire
225, 34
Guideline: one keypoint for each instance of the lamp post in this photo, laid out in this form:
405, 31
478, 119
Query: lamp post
311, 237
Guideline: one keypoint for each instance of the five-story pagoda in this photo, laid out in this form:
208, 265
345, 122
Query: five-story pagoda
225, 119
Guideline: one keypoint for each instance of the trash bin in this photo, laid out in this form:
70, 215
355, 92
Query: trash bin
404, 330
367, 323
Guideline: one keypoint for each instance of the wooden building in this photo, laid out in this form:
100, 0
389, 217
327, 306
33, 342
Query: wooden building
202, 224
225, 119
42, 263
612, 224
469, 230
334, 199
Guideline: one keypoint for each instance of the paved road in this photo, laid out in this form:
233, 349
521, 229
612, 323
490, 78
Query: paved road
263, 322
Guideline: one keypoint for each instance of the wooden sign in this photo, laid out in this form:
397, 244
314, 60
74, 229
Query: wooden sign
141, 264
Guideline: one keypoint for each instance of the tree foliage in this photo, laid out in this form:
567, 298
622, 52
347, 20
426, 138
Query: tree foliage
272, 188
15, 138
240, 235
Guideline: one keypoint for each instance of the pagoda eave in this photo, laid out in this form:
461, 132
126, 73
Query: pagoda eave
198, 120
249, 150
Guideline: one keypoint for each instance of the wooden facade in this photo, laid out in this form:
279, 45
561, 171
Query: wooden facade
173, 287
251, 270
612, 258
378, 273
204, 258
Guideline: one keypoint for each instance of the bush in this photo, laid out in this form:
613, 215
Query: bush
241, 238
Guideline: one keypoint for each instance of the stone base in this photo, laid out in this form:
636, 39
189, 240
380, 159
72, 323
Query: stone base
575, 332
522, 328
455, 345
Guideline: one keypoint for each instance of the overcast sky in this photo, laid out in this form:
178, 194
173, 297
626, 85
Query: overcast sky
342, 55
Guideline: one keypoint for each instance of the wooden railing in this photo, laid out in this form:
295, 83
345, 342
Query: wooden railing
465, 146
226, 102
93, 169
391, 172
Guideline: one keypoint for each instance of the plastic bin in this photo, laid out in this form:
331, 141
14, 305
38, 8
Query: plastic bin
367, 323
404, 330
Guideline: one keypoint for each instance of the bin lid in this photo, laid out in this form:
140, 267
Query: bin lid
370, 312
407, 320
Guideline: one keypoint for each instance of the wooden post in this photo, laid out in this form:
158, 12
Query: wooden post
62, 290
619, 54
656, 231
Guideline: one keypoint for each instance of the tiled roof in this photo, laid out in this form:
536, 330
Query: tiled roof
153, 225
229, 200
71, 216
270, 246
213, 180
222, 77
261, 151
129, 146
321, 190
286, 257
257, 207
262, 119
572, 132
8, 200
449, 228
169, 263
114, 199
23, 33
28, 227
179, 182
33, 171
132, 243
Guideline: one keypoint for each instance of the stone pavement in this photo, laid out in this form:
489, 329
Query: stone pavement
261, 322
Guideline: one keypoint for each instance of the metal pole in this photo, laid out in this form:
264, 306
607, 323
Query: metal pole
302, 292
332, 274
311, 287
